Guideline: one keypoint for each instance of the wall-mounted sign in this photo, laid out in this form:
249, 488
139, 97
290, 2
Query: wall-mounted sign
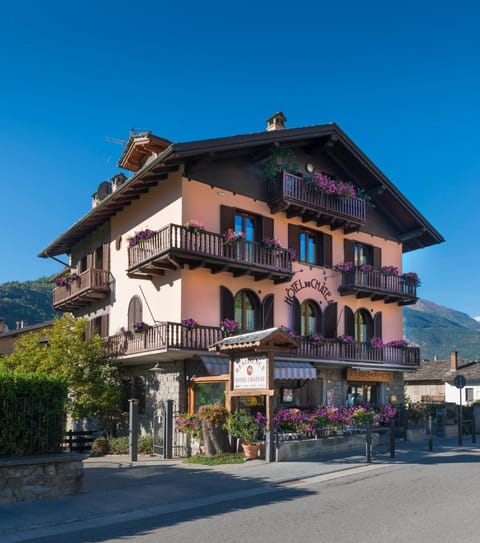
369, 376
298, 285
250, 372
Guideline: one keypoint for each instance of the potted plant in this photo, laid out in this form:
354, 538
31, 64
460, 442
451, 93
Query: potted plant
190, 324
242, 425
229, 326
213, 418
194, 226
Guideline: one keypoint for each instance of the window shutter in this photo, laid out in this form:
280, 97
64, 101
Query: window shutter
267, 228
327, 251
349, 321
377, 325
135, 312
106, 257
104, 325
319, 326
348, 250
377, 258
227, 218
267, 311
296, 316
294, 238
330, 321
227, 306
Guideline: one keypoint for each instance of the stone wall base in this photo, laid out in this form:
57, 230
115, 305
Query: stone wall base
291, 450
30, 478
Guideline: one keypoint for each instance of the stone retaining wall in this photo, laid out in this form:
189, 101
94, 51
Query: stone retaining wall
30, 478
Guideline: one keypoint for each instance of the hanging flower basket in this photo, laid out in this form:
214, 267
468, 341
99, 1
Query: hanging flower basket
66, 279
140, 237
390, 270
343, 267
230, 236
195, 227
190, 324
140, 328
230, 327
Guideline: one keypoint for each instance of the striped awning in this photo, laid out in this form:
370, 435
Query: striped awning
281, 370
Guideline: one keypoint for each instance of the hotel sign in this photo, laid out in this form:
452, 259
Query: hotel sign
369, 376
250, 373
298, 285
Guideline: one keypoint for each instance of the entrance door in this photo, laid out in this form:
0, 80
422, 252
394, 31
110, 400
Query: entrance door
361, 394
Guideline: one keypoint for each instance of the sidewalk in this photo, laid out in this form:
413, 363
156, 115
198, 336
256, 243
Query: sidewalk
117, 490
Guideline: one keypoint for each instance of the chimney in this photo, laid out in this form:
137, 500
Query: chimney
276, 122
454, 360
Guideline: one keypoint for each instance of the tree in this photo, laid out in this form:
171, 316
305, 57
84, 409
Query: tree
64, 349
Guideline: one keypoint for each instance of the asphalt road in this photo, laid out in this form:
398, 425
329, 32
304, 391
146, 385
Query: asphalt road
436, 499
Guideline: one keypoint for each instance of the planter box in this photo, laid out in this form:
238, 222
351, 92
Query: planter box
416, 434
292, 450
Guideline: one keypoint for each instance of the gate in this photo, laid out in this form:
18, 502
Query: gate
168, 442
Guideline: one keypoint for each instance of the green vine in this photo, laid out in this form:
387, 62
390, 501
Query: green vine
281, 159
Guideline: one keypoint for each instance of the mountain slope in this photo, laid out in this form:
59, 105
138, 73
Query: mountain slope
438, 330
28, 301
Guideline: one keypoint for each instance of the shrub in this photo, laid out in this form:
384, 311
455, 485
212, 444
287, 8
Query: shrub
32, 413
120, 445
100, 446
145, 444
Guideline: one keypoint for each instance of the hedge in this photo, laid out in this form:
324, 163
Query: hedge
32, 413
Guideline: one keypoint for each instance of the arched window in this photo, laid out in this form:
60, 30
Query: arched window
135, 312
363, 325
310, 316
246, 310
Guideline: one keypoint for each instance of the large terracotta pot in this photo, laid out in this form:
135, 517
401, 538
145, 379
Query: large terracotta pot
251, 450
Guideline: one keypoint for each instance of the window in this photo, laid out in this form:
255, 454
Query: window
247, 224
206, 391
246, 305
311, 246
363, 325
469, 394
361, 253
99, 258
309, 318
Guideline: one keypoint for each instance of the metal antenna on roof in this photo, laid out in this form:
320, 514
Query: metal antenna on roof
115, 140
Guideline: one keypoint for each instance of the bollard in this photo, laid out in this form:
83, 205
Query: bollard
368, 442
430, 433
392, 438
133, 429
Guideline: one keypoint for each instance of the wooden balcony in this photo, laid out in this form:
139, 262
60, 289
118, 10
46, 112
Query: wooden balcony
164, 337
378, 286
92, 285
169, 336
358, 353
174, 247
291, 194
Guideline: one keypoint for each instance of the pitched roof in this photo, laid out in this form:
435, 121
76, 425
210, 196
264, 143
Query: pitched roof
440, 371
414, 231
271, 337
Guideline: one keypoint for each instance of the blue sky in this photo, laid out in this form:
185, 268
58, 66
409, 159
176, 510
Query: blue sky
401, 79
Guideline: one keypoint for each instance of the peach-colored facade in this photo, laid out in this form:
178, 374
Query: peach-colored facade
178, 274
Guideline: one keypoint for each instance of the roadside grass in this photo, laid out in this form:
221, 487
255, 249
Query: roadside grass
218, 459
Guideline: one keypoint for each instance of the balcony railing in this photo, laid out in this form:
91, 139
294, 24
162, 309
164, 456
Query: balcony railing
90, 286
170, 336
166, 336
290, 193
175, 246
378, 286
358, 352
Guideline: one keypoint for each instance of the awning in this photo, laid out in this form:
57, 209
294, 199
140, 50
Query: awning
294, 370
281, 370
